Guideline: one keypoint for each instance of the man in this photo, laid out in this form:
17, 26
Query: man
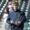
16, 19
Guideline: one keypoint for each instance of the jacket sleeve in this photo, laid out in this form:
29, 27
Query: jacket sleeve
22, 17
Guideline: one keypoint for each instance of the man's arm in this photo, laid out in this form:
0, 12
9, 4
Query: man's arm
22, 18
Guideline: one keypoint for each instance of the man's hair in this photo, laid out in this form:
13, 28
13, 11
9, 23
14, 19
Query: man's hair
9, 0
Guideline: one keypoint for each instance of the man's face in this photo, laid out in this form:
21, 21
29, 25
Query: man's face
9, 5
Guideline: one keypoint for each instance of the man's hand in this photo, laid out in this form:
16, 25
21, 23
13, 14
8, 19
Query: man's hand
17, 23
